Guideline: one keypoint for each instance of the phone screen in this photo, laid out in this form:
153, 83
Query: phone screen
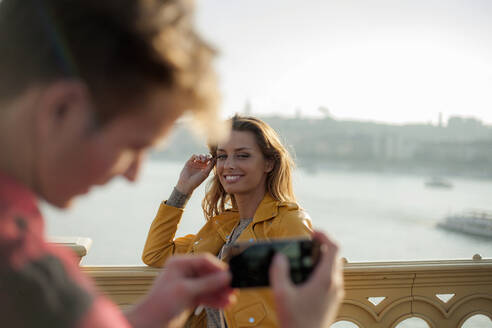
250, 263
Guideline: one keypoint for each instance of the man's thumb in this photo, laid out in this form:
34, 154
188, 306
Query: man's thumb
280, 275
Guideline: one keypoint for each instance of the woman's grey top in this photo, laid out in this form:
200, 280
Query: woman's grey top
213, 315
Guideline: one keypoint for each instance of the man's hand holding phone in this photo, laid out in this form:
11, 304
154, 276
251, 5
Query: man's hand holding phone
186, 282
249, 263
315, 303
305, 276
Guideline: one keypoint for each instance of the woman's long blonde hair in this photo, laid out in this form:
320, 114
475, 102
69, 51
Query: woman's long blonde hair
278, 182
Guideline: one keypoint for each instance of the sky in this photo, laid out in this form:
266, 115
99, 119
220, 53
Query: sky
391, 61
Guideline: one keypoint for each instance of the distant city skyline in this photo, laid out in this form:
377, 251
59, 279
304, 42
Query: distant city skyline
380, 60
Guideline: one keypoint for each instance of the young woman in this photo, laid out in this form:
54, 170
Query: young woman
249, 198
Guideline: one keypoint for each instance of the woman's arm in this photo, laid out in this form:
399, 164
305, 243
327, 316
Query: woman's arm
160, 243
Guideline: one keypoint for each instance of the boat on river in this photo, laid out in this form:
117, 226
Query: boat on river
478, 223
436, 182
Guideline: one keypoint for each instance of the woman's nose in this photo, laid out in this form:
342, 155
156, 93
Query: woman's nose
229, 162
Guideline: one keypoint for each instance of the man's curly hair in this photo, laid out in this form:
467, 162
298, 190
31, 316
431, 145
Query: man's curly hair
120, 49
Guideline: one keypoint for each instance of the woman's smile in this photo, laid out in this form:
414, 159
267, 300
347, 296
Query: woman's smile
231, 178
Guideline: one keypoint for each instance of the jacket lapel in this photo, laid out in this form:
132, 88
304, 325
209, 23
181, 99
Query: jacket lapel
225, 222
267, 209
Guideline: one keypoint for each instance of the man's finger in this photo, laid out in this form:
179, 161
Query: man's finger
280, 275
220, 299
329, 253
197, 265
211, 283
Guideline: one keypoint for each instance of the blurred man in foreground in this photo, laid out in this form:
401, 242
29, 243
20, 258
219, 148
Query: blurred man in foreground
86, 88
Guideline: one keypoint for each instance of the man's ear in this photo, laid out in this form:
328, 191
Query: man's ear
63, 106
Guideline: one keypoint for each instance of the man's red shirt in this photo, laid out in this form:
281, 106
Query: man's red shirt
41, 284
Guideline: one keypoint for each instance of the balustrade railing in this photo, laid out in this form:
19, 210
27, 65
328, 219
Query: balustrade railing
443, 293
378, 295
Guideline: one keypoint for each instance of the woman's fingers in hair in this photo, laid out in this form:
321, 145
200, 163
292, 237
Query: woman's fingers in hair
201, 161
201, 158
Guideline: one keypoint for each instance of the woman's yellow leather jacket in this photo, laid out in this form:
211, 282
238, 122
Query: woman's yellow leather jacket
273, 219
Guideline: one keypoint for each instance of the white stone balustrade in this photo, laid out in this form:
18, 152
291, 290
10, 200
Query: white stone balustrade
378, 294
442, 293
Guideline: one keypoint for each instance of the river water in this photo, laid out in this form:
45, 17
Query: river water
374, 217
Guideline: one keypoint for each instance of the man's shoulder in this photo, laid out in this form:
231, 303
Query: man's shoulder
43, 286
20, 217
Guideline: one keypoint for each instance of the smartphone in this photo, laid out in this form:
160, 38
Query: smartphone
249, 263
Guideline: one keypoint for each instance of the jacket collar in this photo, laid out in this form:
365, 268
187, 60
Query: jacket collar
267, 209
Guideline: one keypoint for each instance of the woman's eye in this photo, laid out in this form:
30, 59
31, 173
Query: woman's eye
242, 156
221, 157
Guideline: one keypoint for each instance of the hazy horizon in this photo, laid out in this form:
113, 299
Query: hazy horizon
317, 116
379, 60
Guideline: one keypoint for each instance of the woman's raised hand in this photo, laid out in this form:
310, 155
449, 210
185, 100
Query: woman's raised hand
194, 172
